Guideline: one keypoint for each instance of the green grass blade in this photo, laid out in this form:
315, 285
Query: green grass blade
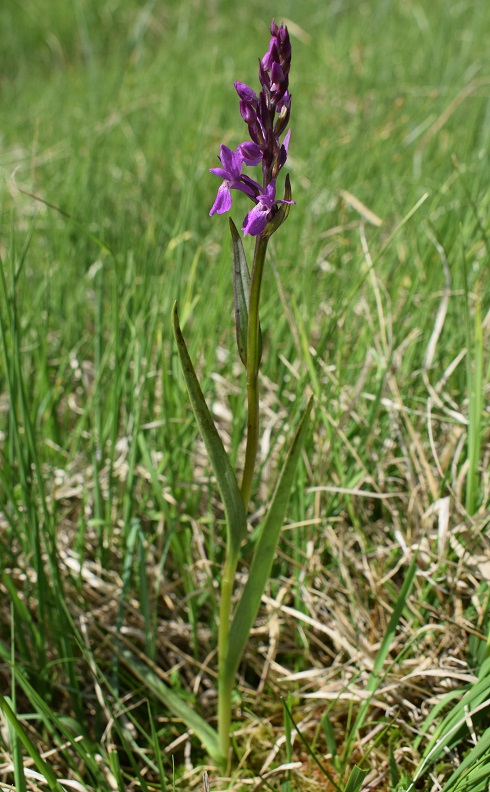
394, 773
207, 735
19, 775
329, 734
469, 767
24, 616
288, 744
355, 780
381, 657
236, 520
309, 749
157, 750
54, 724
31, 749
81, 226
264, 553
474, 374
454, 727
433, 716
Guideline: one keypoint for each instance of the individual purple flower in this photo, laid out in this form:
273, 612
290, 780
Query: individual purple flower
246, 94
277, 77
258, 217
271, 56
251, 153
231, 173
285, 102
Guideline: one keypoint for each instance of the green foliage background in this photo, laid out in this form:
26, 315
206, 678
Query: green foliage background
111, 114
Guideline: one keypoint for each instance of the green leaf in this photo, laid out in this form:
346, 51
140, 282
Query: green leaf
241, 290
207, 735
264, 553
356, 777
236, 521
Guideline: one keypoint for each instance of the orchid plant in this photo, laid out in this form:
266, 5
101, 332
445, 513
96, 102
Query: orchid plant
267, 117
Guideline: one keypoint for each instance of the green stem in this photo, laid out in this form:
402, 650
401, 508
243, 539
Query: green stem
225, 684
253, 362
226, 681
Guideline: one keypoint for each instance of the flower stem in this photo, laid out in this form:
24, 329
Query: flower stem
225, 684
225, 681
253, 362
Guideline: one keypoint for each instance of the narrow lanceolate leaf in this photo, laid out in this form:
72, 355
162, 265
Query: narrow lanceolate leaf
207, 735
236, 521
241, 289
264, 553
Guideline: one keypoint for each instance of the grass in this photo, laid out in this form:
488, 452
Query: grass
372, 643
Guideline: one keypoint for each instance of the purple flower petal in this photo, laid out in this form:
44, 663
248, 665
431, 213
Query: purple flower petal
287, 138
256, 220
223, 200
251, 153
219, 172
258, 217
248, 113
245, 93
283, 153
270, 194
271, 56
232, 162
247, 186
277, 76
231, 173
251, 187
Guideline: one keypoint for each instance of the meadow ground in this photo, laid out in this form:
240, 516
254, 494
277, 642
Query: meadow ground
371, 647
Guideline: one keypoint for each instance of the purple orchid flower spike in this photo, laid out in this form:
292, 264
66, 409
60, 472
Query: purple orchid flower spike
267, 116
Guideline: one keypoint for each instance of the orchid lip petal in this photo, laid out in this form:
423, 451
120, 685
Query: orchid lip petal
255, 221
223, 200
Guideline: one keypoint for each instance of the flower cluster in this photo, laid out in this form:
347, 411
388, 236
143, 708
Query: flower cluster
267, 116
